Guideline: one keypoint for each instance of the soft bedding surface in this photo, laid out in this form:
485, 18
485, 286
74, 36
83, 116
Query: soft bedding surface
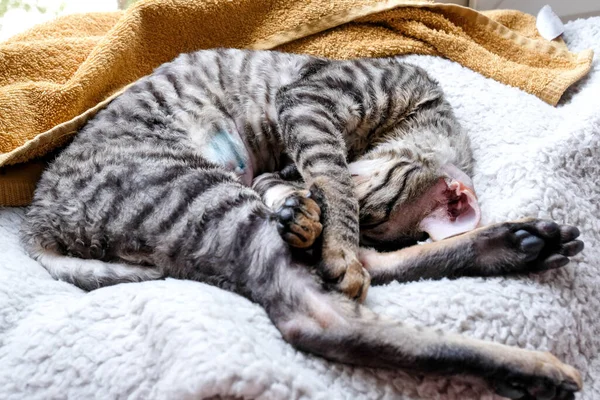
179, 339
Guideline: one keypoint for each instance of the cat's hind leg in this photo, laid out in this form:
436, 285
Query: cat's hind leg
329, 325
223, 234
530, 245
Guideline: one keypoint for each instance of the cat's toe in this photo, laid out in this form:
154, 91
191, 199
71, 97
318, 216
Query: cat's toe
568, 233
546, 228
346, 274
572, 248
552, 262
545, 245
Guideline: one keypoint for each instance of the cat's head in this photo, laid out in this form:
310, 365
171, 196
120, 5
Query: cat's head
406, 197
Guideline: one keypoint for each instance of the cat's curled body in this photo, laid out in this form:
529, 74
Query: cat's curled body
159, 184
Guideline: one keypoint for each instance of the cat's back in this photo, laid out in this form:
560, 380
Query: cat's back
163, 117
152, 120
227, 79
141, 140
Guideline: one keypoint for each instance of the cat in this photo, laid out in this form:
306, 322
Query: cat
184, 175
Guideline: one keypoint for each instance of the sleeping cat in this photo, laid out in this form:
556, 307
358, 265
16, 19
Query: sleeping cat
159, 182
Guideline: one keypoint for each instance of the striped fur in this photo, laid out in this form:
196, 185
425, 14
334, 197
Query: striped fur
158, 184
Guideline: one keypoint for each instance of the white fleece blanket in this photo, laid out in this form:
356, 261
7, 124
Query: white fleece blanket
179, 339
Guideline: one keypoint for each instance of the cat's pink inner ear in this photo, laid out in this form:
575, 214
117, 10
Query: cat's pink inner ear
457, 211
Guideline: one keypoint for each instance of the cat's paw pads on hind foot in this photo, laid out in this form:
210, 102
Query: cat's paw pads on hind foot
530, 245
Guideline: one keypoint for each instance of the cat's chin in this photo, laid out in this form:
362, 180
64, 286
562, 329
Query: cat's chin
457, 211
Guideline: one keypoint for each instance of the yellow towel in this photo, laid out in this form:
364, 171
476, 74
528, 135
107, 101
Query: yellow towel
55, 76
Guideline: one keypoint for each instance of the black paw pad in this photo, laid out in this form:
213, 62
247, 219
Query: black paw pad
507, 390
554, 261
572, 248
536, 389
548, 228
543, 245
292, 202
529, 244
285, 214
568, 233
299, 220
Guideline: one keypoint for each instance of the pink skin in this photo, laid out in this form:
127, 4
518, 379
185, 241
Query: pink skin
457, 210
448, 208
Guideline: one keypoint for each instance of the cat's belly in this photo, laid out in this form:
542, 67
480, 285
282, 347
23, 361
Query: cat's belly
246, 145
229, 150
220, 144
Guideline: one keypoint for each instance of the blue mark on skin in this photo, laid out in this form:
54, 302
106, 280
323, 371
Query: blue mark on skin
226, 152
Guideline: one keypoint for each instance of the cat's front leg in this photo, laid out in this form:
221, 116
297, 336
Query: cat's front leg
312, 134
299, 216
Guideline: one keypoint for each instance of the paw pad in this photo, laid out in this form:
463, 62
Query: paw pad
299, 220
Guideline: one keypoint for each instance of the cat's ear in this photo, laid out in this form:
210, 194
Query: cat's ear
457, 210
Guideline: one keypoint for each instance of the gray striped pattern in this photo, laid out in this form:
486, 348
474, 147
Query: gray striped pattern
159, 184
160, 176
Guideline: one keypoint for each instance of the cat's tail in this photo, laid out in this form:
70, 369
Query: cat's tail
89, 274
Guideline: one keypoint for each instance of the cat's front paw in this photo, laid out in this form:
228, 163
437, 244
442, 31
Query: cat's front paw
530, 245
343, 270
299, 220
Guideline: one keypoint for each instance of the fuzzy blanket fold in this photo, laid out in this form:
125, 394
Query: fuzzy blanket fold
177, 339
53, 77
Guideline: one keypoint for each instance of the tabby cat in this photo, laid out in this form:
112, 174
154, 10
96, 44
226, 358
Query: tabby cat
159, 183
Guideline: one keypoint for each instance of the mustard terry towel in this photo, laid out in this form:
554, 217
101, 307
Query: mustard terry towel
55, 76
